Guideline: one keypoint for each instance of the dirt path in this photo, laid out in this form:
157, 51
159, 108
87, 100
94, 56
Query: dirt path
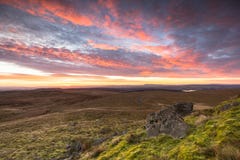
201, 106
111, 110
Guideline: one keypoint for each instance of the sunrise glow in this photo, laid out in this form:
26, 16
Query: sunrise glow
110, 42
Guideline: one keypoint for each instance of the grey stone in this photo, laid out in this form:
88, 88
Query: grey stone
229, 106
234, 104
183, 108
166, 121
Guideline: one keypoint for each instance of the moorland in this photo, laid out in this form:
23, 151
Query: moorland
109, 124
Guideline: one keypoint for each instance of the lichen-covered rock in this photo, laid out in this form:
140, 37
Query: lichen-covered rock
229, 106
183, 108
166, 121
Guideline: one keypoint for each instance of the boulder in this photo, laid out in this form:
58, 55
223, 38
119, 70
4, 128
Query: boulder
166, 121
229, 106
183, 108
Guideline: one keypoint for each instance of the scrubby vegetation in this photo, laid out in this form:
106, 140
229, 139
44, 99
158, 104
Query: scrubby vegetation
49, 136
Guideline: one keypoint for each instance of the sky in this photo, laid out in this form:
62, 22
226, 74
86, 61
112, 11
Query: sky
79, 43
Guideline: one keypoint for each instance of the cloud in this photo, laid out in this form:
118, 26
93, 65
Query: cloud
183, 63
49, 9
124, 22
102, 45
122, 26
62, 55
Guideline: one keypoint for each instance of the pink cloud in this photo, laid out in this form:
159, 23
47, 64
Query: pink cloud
64, 54
102, 45
47, 8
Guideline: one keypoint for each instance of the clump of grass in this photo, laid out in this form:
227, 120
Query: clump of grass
105, 130
115, 141
133, 138
227, 152
207, 112
96, 152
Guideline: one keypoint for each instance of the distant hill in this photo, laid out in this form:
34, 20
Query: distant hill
138, 87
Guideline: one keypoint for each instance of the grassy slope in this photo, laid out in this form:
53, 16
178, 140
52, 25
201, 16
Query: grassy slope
48, 136
217, 137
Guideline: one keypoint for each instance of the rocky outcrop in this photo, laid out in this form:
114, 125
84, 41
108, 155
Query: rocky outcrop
183, 108
229, 106
169, 121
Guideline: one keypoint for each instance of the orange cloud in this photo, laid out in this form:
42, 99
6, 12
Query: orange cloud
173, 57
65, 80
186, 62
123, 26
160, 49
66, 13
111, 5
146, 73
102, 45
143, 35
64, 54
120, 31
46, 9
184, 59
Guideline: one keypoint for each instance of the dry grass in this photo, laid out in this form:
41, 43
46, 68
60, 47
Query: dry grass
227, 152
